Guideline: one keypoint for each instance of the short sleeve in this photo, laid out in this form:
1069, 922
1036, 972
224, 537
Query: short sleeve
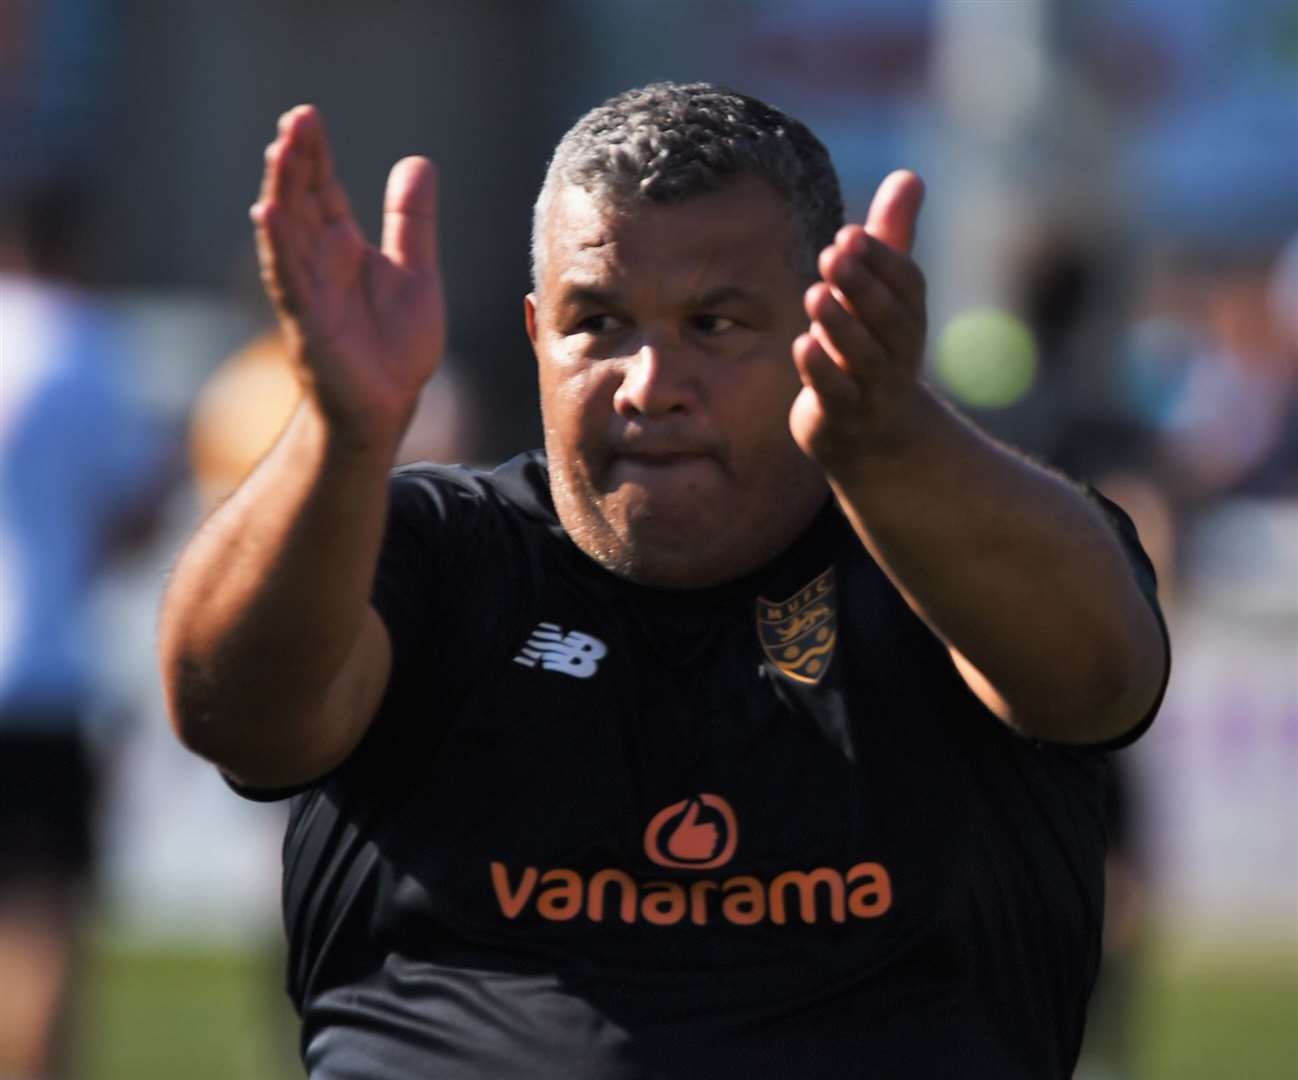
436, 587
1147, 580
439, 569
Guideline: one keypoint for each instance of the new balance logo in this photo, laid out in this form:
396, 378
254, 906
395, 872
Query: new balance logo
573, 653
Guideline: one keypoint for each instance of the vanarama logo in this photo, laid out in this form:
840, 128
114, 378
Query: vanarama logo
698, 833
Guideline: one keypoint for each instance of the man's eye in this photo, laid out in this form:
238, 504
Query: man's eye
713, 324
598, 324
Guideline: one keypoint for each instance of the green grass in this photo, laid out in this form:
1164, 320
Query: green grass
1219, 1018
154, 1013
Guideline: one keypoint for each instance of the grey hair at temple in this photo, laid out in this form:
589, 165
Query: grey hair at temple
665, 142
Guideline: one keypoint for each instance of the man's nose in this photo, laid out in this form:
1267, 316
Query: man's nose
657, 380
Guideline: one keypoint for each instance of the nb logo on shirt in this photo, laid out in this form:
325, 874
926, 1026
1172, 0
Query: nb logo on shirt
573, 653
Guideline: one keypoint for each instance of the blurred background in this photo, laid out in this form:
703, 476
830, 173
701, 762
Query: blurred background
1111, 238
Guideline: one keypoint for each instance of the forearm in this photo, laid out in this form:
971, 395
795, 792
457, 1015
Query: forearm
268, 600
1015, 568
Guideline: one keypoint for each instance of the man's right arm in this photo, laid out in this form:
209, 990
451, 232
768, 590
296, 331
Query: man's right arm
273, 660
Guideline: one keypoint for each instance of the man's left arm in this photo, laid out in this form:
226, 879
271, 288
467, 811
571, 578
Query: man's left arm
1013, 566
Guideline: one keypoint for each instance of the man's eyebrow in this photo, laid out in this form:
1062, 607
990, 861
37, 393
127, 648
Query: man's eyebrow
724, 294
583, 295
576, 294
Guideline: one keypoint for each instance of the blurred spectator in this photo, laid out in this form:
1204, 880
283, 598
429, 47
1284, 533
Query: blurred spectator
1212, 371
1071, 291
79, 476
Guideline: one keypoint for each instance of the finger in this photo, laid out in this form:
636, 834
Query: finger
410, 215
307, 167
334, 204
837, 391
896, 325
284, 270
894, 210
898, 273
846, 339
307, 129
269, 174
267, 262
273, 177
327, 195
279, 183
268, 259
300, 163
297, 163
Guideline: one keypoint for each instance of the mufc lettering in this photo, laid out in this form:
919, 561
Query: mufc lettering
821, 587
558, 895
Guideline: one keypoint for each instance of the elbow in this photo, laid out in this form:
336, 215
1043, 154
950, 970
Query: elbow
188, 693
186, 685
230, 736
257, 739
1118, 690
200, 711
1135, 694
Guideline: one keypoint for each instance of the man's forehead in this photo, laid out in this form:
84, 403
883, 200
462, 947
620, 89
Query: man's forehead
592, 234
581, 221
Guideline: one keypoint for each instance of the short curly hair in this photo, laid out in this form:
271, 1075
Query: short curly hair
669, 141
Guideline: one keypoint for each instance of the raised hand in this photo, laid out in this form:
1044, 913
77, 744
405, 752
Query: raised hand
366, 326
860, 359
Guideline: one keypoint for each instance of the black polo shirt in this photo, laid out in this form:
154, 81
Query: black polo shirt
600, 830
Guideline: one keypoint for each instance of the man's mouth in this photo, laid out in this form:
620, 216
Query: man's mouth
653, 468
659, 458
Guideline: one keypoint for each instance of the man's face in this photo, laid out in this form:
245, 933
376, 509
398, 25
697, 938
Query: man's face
662, 336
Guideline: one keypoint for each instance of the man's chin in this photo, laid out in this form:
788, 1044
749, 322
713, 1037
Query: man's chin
666, 568
664, 551
669, 536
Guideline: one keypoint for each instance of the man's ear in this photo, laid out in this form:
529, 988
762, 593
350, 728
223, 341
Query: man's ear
529, 317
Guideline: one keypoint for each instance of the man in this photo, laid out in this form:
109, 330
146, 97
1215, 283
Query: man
82, 473
752, 727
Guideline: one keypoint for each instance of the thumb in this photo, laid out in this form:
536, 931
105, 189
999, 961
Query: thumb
691, 815
894, 210
410, 215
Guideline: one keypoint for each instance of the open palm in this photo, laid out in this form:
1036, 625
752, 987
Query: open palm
366, 325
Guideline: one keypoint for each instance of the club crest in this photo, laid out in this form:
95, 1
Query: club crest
798, 634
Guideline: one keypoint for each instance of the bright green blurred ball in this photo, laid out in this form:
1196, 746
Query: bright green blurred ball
986, 358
